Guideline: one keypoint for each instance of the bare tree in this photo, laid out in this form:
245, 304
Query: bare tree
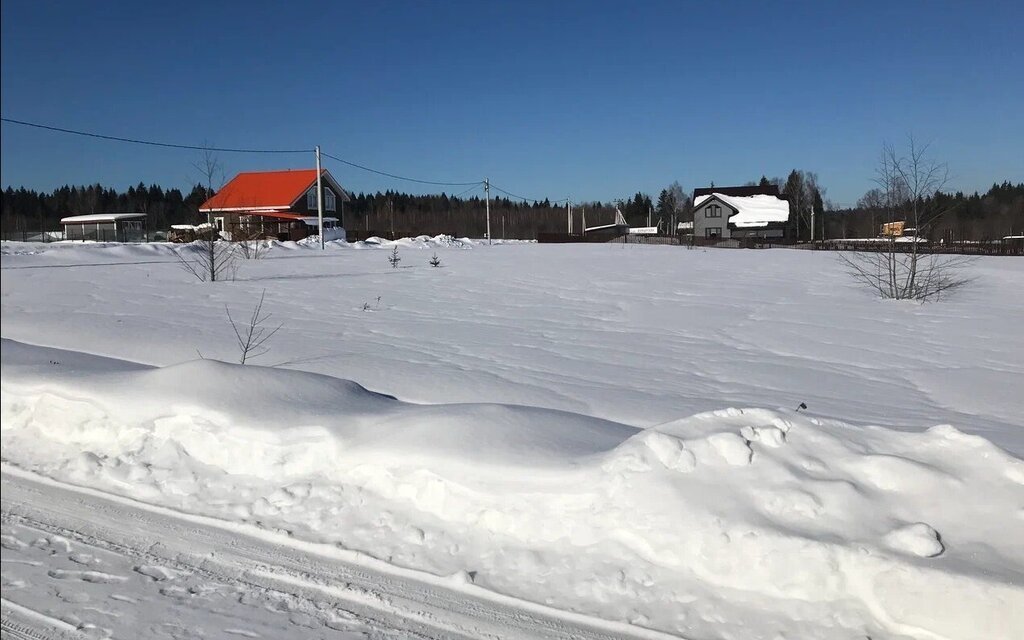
907, 185
211, 259
253, 337
679, 201
251, 245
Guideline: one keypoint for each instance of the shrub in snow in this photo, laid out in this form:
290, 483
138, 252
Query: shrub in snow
393, 258
435, 261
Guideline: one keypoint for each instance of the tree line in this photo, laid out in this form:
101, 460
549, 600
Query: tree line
978, 216
951, 217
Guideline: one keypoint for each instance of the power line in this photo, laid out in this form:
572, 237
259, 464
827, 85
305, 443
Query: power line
150, 143
169, 145
459, 195
508, 193
398, 177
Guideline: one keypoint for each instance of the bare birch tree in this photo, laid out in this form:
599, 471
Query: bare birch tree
907, 185
210, 260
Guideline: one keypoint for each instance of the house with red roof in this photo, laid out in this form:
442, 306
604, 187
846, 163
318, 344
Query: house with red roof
277, 204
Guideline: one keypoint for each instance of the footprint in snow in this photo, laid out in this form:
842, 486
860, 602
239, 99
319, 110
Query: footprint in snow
97, 577
73, 597
12, 543
121, 598
56, 543
156, 573
83, 558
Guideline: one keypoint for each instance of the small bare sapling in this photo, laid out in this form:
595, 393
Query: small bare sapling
252, 338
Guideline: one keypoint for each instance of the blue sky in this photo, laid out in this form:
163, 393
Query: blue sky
593, 100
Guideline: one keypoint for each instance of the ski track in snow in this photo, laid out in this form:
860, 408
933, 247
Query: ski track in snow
728, 523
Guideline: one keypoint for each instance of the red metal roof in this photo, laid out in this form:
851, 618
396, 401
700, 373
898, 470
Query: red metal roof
259, 189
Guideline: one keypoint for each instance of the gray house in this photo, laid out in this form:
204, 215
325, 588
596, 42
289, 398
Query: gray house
740, 212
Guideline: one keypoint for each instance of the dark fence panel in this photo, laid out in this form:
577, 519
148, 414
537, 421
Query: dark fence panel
1002, 247
31, 235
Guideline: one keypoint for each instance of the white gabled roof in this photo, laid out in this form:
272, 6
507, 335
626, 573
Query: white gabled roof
101, 217
752, 211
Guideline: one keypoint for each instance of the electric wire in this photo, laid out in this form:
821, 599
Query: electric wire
151, 143
398, 177
519, 197
170, 145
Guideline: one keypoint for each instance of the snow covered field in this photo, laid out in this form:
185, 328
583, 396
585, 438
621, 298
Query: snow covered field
603, 429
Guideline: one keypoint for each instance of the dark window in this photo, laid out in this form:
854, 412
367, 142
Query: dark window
713, 211
713, 232
330, 200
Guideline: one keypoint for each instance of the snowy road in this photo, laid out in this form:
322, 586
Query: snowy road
124, 569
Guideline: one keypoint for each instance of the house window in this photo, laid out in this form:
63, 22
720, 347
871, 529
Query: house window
713, 211
713, 232
330, 200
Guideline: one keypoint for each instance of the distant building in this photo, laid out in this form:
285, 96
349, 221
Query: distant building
276, 204
740, 212
106, 227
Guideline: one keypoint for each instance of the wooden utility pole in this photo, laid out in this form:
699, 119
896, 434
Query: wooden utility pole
319, 198
487, 192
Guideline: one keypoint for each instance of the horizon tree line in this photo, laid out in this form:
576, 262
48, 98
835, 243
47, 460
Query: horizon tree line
979, 216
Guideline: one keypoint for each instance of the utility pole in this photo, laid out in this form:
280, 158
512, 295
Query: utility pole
568, 214
812, 223
391, 207
319, 198
487, 192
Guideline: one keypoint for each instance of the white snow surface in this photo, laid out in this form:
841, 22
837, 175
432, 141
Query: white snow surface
559, 425
752, 211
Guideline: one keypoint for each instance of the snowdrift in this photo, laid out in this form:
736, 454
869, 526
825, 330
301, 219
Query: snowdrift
741, 523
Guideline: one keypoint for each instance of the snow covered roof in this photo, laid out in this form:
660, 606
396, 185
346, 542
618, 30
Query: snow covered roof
685, 226
314, 220
101, 217
751, 211
644, 231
